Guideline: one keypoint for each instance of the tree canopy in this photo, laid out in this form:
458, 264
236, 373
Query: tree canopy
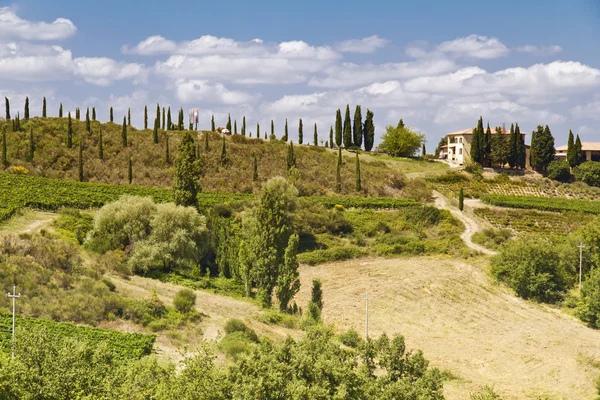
401, 140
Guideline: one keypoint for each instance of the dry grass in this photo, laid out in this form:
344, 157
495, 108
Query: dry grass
464, 323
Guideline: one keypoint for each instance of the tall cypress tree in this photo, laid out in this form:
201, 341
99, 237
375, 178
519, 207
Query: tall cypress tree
146, 117
578, 151
167, 155
169, 118
487, 148
129, 117
315, 137
93, 113
235, 126
60, 113
4, 150
285, 135
542, 149
130, 170
254, 168
338, 173
88, 126
155, 132
357, 133
31, 144
124, 132
77, 114
111, 115
100, 145
228, 125
186, 173
257, 130
338, 128
7, 106
331, 137
181, 119
477, 143
347, 128
273, 127
300, 133
224, 158
212, 123
244, 125
69, 131
513, 148
44, 107
521, 151
80, 159
163, 119
571, 150
358, 185
26, 113
291, 158
157, 113
369, 131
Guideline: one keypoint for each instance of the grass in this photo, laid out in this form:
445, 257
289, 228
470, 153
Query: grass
543, 204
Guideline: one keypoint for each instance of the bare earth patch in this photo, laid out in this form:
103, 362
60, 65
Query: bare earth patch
464, 323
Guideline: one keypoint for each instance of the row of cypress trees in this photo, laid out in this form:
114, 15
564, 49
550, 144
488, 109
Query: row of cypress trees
499, 148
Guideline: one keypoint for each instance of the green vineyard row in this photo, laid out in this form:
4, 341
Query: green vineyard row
123, 345
543, 204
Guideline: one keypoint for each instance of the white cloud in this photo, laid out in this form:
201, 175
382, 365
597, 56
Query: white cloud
200, 90
587, 111
295, 103
586, 129
12, 25
540, 50
472, 46
365, 45
150, 46
103, 71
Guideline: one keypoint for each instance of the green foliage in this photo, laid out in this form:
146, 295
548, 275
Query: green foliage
532, 269
492, 238
357, 127
338, 128
124, 133
69, 132
291, 158
478, 143
358, 183
236, 325
401, 141
184, 301
26, 111
74, 223
288, 278
351, 338
254, 168
4, 150
501, 148
7, 108
186, 173
130, 170
316, 293
487, 393
543, 204
300, 132
337, 253
347, 128
559, 170
578, 157
588, 172
44, 107
542, 149
571, 150
461, 199
315, 136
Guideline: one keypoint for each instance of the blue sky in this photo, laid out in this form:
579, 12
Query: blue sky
436, 64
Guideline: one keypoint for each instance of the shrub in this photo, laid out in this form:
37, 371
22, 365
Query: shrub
272, 317
487, 393
351, 338
588, 172
184, 300
590, 296
338, 253
492, 238
451, 177
559, 170
236, 325
473, 168
235, 344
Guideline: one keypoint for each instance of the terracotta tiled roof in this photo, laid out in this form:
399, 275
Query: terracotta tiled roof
585, 146
470, 132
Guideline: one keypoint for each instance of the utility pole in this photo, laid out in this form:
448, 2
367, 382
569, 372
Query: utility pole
581, 247
14, 297
366, 298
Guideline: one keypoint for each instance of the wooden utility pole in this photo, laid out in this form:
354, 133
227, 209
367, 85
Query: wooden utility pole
581, 247
14, 297
366, 298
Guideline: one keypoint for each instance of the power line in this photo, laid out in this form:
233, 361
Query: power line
14, 297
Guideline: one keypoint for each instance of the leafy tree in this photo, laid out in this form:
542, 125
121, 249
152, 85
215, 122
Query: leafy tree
100, 145
369, 131
60, 111
244, 126
401, 141
44, 107
443, 142
300, 133
578, 159
542, 149
111, 115
130, 170
559, 170
461, 199
224, 157
7, 106
124, 133
169, 122
338, 172
500, 148
315, 136
571, 150
588, 172
254, 168
80, 159
338, 128
590, 296
88, 126
358, 185
285, 135
288, 279
186, 173
4, 150
291, 158
212, 123
146, 117
347, 128
26, 112
31, 144
69, 131
129, 117
357, 132
155, 132
316, 294
184, 301
331, 137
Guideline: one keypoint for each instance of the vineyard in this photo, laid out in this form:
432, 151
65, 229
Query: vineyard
123, 345
543, 204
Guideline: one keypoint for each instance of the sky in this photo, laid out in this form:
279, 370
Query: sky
438, 65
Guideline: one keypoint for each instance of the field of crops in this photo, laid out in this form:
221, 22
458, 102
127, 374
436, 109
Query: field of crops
543, 204
364, 202
123, 345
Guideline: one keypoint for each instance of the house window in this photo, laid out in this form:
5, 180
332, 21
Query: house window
460, 151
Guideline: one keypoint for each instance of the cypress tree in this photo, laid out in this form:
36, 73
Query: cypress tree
169, 118
315, 137
578, 151
206, 147
129, 117
124, 132
291, 158
224, 158
265, 135
88, 127
181, 119
273, 127
167, 155
163, 119
111, 115
488, 142
522, 152
331, 137
146, 118
93, 113
80, 159
285, 135
357, 127
571, 150
4, 150
77, 114
31, 144
358, 186
300, 133
155, 132
60, 113
477, 143
424, 151
347, 128
100, 145
369, 131
326, 143
26, 113
254, 168
157, 113
44, 107
235, 127
7, 106
542, 149
338, 173
258, 130
69, 131
130, 170
191, 126
186, 173
244, 126
18, 123
338, 128
228, 126
461, 199
212, 123
513, 148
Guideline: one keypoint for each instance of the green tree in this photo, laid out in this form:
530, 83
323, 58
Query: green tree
291, 158
228, 126
7, 106
571, 150
521, 150
180, 124
206, 146
369, 131
513, 147
578, 151
124, 133
129, 117
254, 168
285, 134
477, 142
167, 155
588, 172
100, 145
4, 150
461, 199
245, 266
77, 114
69, 131
244, 125
80, 159
347, 128
235, 127
88, 126
31, 144
157, 115
487, 150
273, 127
155, 132
169, 121
331, 137
44, 107
93, 113
258, 130
315, 136
111, 115
146, 117
130, 170
338, 128
224, 157
401, 141
357, 132
186, 173
26, 113
184, 301
542, 149
288, 277
163, 119
60, 111
559, 170
338, 172
300, 133
423, 151
590, 296
500, 148
212, 123
358, 185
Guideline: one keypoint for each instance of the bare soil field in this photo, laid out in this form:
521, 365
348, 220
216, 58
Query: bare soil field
464, 323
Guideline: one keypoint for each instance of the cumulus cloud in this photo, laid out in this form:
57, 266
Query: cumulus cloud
189, 91
295, 103
540, 50
587, 111
365, 45
472, 46
103, 71
11, 25
151, 46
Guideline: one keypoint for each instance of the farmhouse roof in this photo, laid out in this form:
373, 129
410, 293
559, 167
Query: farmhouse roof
470, 132
585, 146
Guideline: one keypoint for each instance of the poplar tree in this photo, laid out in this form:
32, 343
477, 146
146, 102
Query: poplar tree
130, 170
288, 277
111, 115
578, 151
571, 150
69, 131
331, 137
100, 145
228, 126
235, 127
273, 127
129, 117
88, 126
186, 173
513, 148
7, 106
300, 133
338, 128
169, 118
369, 131
44, 107
157, 113
167, 155
357, 132
93, 113
291, 158
124, 132
80, 158
358, 185
315, 137
212, 123
244, 126
4, 150
347, 128
146, 118
155, 132
60, 113
338, 173
31, 144
254, 168
285, 135
26, 113
163, 119
224, 158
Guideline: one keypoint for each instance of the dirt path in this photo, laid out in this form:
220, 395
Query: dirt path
471, 224
30, 221
464, 323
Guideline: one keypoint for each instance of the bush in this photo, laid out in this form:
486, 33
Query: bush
351, 338
473, 168
559, 170
588, 172
235, 344
590, 297
271, 317
492, 238
184, 300
338, 253
236, 325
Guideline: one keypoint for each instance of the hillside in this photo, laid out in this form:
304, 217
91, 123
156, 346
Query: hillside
380, 175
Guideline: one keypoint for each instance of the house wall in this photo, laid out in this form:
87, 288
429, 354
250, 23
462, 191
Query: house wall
459, 149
